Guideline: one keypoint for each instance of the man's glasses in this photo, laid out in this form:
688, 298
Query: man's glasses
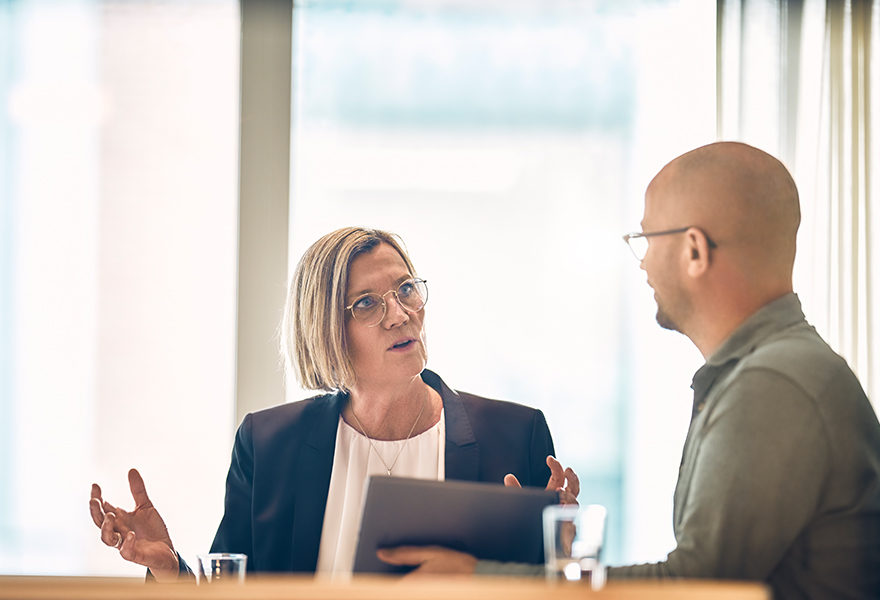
638, 241
369, 309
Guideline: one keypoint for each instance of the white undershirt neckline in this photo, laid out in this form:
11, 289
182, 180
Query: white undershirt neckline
354, 460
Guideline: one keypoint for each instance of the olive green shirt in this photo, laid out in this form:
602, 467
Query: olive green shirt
780, 473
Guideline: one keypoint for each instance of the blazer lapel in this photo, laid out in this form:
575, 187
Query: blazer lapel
462, 449
311, 480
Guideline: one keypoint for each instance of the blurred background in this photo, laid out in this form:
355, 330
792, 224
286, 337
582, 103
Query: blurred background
151, 209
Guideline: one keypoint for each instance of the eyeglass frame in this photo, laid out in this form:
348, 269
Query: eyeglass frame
639, 234
385, 304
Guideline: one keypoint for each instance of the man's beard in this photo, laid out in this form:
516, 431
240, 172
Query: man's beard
665, 321
679, 304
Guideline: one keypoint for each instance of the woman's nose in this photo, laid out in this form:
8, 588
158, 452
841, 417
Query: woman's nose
395, 314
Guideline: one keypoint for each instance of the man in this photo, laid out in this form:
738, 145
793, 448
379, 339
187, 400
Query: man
780, 473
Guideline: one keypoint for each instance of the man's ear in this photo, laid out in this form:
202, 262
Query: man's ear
697, 247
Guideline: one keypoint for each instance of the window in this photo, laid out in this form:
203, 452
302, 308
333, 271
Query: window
118, 189
509, 144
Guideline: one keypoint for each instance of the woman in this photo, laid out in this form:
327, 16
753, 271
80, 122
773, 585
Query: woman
353, 327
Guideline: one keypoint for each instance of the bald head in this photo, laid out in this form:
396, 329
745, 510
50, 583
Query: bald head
743, 198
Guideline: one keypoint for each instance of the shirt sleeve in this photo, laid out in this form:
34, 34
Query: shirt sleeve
756, 481
508, 569
184, 573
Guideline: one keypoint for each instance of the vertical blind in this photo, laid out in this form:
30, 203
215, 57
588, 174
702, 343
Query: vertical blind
795, 78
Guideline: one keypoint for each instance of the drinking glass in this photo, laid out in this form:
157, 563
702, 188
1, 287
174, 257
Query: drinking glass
221, 567
573, 540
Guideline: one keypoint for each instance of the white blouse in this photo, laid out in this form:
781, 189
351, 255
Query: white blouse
354, 461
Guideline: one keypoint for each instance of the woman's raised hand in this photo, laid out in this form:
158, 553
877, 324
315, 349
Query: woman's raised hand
564, 481
140, 535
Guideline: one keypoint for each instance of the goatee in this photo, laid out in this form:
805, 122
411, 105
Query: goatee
665, 322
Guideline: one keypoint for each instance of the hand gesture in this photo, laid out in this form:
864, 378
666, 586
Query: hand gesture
140, 535
564, 481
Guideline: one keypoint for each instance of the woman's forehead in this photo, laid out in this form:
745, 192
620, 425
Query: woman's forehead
381, 265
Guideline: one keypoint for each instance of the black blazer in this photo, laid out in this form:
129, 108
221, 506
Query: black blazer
279, 478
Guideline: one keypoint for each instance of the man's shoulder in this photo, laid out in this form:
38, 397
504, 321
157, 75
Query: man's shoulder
798, 353
797, 359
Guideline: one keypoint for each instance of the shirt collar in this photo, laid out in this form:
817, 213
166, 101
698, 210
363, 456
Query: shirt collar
771, 318
775, 316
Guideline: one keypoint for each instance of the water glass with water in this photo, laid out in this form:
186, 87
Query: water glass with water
573, 540
221, 567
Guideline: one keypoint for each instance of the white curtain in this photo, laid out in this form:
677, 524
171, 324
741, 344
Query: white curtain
795, 78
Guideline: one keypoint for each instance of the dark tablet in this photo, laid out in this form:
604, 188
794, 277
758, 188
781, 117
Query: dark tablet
487, 520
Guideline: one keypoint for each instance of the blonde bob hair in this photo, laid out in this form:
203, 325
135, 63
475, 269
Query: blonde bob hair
313, 327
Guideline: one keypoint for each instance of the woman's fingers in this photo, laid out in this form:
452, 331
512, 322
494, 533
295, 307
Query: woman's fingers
109, 535
557, 474
96, 511
103, 518
128, 549
95, 505
138, 489
562, 479
117, 530
574, 484
157, 556
109, 508
510, 480
567, 498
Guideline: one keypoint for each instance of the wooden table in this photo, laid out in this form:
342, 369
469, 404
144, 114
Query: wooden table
369, 588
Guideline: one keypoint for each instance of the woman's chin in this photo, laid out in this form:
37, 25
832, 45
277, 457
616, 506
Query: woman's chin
414, 364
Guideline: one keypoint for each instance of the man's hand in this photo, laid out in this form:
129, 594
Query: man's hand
564, 481
140, 535
429, 560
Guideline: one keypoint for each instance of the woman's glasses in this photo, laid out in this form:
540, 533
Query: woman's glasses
369, 309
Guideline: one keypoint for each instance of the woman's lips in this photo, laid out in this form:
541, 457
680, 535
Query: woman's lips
402, 345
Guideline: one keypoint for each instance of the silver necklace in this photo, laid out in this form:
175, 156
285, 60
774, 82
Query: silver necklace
399, 452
